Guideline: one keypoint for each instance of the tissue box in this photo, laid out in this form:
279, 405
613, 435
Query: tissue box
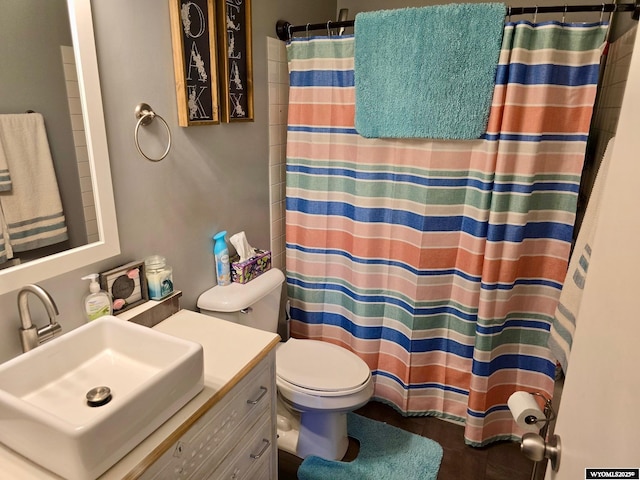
243, 272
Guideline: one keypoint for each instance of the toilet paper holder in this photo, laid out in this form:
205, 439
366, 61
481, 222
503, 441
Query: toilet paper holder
536, 446
548, 411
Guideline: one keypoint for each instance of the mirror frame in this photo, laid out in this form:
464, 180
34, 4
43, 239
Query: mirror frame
13, 278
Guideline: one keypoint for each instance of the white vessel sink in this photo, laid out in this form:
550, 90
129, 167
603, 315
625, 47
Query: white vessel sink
44, 412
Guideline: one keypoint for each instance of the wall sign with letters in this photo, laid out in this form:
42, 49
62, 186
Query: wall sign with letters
193, 35
235, 60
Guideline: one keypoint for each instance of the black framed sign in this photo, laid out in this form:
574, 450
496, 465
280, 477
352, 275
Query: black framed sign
235, 60
193, 35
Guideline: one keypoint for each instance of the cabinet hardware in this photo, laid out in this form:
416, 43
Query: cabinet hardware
262, 394
267, 444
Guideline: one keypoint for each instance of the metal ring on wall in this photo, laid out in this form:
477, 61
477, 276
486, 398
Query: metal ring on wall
145, 115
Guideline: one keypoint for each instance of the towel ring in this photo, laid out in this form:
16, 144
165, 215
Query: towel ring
145, 115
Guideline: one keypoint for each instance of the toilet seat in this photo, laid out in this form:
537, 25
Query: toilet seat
282, 383
319, 368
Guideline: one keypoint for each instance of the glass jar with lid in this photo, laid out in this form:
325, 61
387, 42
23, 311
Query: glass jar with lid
159, 277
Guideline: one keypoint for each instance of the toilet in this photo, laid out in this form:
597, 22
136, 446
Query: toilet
318, 382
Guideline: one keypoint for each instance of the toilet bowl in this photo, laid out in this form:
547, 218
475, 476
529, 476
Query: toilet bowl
322, 382
318, 382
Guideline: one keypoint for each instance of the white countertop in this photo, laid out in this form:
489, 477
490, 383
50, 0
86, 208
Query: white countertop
230, 351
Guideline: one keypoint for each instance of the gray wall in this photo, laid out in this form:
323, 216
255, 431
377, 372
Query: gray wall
206, 184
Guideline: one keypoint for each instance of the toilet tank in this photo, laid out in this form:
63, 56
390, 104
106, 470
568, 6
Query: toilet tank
254, 304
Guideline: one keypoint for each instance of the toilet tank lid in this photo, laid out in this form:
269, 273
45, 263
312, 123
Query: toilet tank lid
236, 296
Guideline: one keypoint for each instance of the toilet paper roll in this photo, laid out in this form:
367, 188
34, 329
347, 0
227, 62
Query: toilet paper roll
523, 405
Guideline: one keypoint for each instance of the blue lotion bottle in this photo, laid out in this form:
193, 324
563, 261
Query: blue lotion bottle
221, 253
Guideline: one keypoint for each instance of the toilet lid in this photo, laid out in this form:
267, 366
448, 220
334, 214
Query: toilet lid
321, 366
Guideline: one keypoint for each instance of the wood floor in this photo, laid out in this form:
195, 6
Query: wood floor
499, 461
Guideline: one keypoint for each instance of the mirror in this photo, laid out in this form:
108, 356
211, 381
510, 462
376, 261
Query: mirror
107, 245
39, 72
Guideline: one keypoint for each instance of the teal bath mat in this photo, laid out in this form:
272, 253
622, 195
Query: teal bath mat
386, 453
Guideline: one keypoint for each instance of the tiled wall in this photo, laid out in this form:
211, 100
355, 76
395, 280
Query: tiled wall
613, 86
607, 108
278, 101
80, 142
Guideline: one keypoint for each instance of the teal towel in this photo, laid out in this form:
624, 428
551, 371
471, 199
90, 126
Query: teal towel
386, 452
427, 72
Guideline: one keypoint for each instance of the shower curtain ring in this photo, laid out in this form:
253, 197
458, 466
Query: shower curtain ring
328, 28
289, 31
602, 13
564, 14
535, 15
509, 14
307, 29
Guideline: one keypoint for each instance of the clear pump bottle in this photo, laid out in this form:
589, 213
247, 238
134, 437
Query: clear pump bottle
96, 303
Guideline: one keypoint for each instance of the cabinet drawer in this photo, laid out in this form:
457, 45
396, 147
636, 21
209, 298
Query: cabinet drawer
249, 456
209, 440
262, 470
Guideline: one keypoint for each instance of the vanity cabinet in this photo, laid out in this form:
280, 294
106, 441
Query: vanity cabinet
235, 439
227, 431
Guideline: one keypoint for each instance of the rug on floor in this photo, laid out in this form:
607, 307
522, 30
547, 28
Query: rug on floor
386, 453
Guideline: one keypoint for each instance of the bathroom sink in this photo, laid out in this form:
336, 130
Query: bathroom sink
46, 416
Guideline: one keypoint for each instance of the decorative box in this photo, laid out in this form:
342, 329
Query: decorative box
243, 272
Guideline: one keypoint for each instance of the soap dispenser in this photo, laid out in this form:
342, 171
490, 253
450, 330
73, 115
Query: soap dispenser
97, 302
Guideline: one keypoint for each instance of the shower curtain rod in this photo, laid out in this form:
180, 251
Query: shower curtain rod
285, 30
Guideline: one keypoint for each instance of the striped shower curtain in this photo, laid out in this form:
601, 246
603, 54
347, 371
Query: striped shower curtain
440, 263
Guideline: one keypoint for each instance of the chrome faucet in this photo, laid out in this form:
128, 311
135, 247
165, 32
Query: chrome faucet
30, 335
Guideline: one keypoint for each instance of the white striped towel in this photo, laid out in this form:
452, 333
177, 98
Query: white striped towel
5, 176
32, 210
5, 186
564, 323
